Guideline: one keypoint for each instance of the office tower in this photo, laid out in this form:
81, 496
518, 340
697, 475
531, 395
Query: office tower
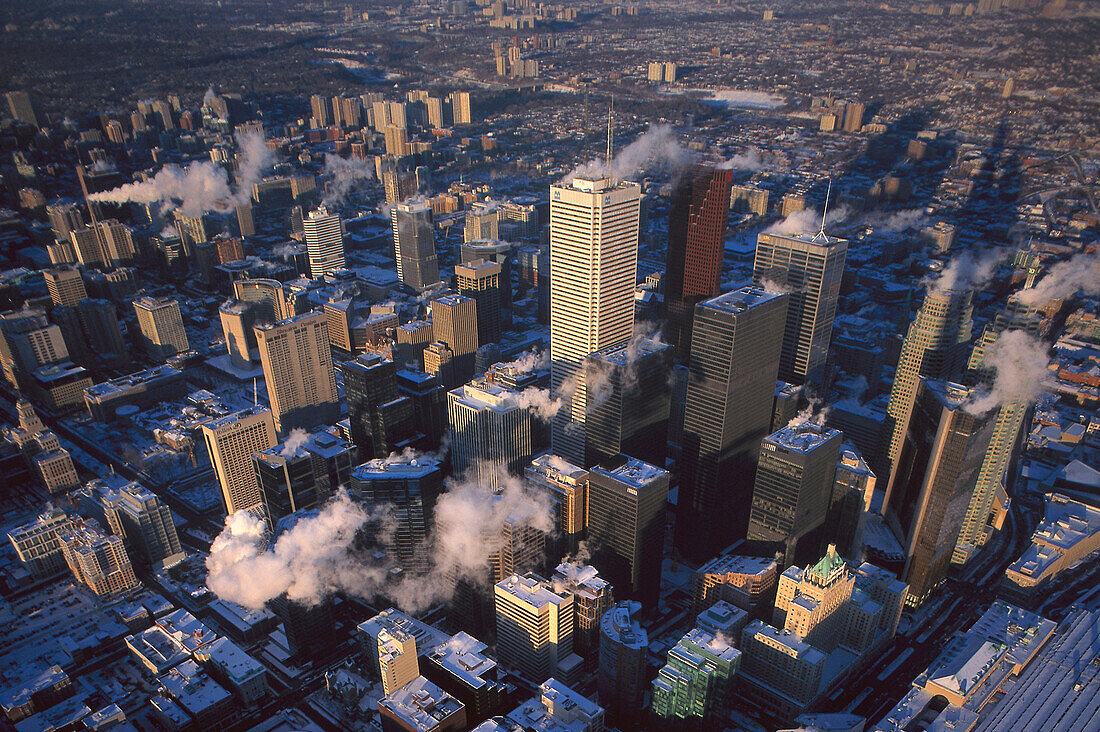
27, 342
100, 178
794, 484
787, 405
439, 363
297, 362
269, 297
65, 285
428, 399
97, 559
64, 217
566, 486
749, 199
396, 659
534, 626
593, 264
624, 645
381, 417
148, 526
87, 247
231, 442
310, 629
488, 429
421, 706
461, 668
744, 582
38, 544
696, 237
628, 402
162, 333
23, 108
736, 340
626, 527
410, 485
592, 597
412, 338
853, 490
324, 235
692, 689
853, 117
322, 114
934, 479
482, 223
810, 268
454, 322
302, 472
62, 252
480, 280
238, 320
501, 253
934, 348
104, 334
414, 245
117, 242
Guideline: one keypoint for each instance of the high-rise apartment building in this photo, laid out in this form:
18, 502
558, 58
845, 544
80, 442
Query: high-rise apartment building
231, 442
534, 626
454, 322
629, 401
593, 270
65, 217
397, 659
624, 646
626, 526
462, 108
480, 280
148, 525
793, 488
322, 113
488, 429
162, 332
410, 485
944, 448
853, 116
117, 243
566, 486
482, 223
934, 348
324, 235
696, 238
23, 108
97, 559
38, 546
103, 334
414, 245
65, 285
303, 472
297, 362
381, 417
736, 342
592, 597
810, 268
692, 688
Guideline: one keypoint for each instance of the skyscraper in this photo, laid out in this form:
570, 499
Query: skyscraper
99, 320
934, 348
454, 322
324, 235
302, 472
414, 245
482, 223
593, 269
381, 417
161, 325
934, 479
693, 686
410, 485
592, 597
696, 237
624, 645
566, 486
23, 107
148, 525
238, 320
810, 268
736, 342
794, 482
626, 526
268, 296
65, 285
298, 371
488, 428
97, 559
534, 626
231, 442
481, 281
322, 113
629, 401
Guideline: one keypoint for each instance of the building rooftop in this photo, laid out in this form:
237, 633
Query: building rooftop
420, 704
634, 472
737, 301
531, 589
558, 709
235, 417
737, 564
464, 656
803, 437
620, 623
404, 466
237, 665
189, 685
623, 353
784, 639
123, 384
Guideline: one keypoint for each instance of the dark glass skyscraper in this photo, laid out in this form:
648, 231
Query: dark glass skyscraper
735, 346
381, 417
696, 230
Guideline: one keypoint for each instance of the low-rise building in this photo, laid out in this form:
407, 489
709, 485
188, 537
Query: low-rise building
1069, 532
235, 670
208, 705
558, 709
745, 582
421, 706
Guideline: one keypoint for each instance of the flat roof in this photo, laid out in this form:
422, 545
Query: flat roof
737, 301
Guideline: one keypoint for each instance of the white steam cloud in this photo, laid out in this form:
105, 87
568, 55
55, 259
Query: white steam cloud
751, 160
655, 150
807, 221
971, 270
1080, 272
294, 442
539, 402
346, 174
1020, 361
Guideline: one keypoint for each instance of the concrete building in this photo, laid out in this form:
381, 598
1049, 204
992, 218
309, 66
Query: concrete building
482, 223
147, 525
414, 245
461, 668
324, 235
794, 485
534, 626
303, 472
810, 267
745, 582
161, 325
626, 524
736, 347
397, 660
558, 708
489, 428
65, 285
566, 486
592, 597
96, 559
593, 262
411, 485
235, 670
455, 323
231, 441
56, 469
624, 646
38, 544
421, 706
1069, 532
692, 689
297, 363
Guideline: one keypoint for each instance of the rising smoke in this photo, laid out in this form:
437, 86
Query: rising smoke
750, 160
971, 270
1079, 273
807, 221
347, 175
1021, 363
655, 150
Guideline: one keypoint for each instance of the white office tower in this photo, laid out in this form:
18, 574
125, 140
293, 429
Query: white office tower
489, 428
593, 269
534, 626
414, 245
324, 233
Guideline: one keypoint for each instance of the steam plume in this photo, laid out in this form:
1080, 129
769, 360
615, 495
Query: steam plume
971, 270
346, 174
656, 149
1080, 272
807, 221
1021, 364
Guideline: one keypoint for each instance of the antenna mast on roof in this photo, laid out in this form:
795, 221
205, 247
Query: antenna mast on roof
610, 137
825, 212
255, 393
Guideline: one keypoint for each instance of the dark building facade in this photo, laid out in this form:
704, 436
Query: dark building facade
381, 416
